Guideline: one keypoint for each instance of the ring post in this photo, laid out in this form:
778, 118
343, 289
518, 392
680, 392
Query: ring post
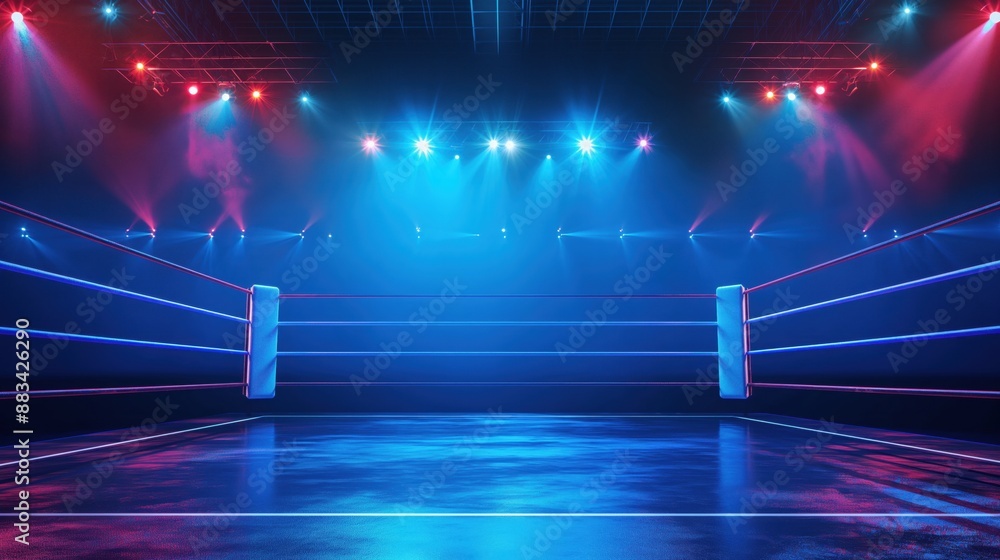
734, 342
261, 363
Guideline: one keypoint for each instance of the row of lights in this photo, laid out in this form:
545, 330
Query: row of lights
792, 93
503, 232
423, 146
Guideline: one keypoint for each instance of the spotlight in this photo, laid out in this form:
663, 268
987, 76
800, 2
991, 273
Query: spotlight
140, 66
503, 230
109, 10
371, 144
621, 233
770, 95
226, 96
791, 96
643, 143
418, 229
907, 10
193, 90
493, 144
874, 66
256, 94
510, 145
304, 99
423, 146
457, 156
549, 156
752, 235
820, 90
995, 18
691, 236
586, 145
726, 99
17, 18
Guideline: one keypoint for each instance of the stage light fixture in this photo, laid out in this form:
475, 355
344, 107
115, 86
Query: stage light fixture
140, 66
586, 145
423, 146
370, 144
548, 156
995, 18
226, 96
820, 90
256, 94
874, 66
193, 90
770, 95
493, 144
643, 143
17, 18
304, 99
907, 10
109, 10
791, 96
509, 145
457, 156
727, 99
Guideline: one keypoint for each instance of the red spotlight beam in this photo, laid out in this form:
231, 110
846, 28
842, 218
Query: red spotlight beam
18, 211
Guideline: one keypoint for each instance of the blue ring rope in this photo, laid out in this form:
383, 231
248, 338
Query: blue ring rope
121, 341
873, 341
496, 323
497, 353
898, 287
85, 284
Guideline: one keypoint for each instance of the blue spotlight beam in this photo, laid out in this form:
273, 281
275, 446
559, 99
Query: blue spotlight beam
881, 291
495, 323
4, 265
18, 211
980, 331
972, 214
497, 353
121, 341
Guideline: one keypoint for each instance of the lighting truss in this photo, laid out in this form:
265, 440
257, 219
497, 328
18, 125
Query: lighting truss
247, 63
777, 63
